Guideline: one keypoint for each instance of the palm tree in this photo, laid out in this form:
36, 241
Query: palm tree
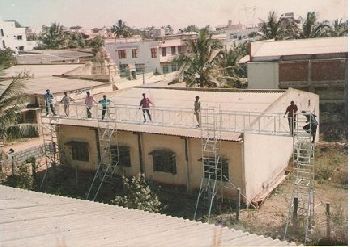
11, 101
272, 29
54, 37
312, 28
121, 30
199, 67
232, 71
338, 29
277, 28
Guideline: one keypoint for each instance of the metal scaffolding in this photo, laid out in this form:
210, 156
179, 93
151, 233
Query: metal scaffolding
302, 203
109, 155
50, 132
210, 123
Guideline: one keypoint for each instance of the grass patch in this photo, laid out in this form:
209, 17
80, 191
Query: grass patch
331, 164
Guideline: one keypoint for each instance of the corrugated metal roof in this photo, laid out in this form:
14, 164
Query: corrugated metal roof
36, 219
270, 50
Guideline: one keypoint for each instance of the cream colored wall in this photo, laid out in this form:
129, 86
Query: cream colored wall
262, 75
126, 138
177, 145
265, 158
232, 151
78, 133
188, 173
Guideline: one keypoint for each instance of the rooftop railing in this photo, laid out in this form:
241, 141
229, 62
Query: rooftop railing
227, 121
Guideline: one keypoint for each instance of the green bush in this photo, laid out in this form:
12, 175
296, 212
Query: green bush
22, 131
138, 195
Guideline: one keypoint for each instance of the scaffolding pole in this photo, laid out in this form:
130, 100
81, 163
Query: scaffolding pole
302, 202
109, 154
210, 125
50, 132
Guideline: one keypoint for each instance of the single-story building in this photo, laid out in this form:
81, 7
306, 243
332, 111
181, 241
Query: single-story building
255, 142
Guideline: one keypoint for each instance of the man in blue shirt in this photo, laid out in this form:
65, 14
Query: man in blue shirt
49, 102
105, 105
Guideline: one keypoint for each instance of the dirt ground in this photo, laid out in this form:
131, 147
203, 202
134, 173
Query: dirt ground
270, 218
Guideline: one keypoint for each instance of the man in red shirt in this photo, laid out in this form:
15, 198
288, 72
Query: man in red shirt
144, 103
292, 109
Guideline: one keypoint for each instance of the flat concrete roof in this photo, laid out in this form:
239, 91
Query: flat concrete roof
172, 112
39, 70
30, 218
50, 56
42, 78
240, 101
271, 50
55, 84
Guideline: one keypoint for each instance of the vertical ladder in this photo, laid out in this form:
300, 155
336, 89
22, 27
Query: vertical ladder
303, 176
211, 160
50, 132
109, 154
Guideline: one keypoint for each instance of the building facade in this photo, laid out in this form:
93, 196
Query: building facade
14, 37
316, 65
148, 55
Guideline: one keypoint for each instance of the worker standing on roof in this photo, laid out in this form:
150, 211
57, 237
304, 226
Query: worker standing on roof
105, 105
197, 110
49, 102
144, 103
89, 103
292, 109
65, 100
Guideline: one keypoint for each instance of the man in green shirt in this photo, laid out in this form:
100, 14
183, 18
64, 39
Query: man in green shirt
105, 105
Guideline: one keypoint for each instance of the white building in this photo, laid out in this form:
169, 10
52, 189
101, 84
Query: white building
146, 55
14, 37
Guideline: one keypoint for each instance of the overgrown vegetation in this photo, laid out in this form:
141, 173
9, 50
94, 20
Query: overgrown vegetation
331, 164
138, 195
11, 101
284, 28
6, 58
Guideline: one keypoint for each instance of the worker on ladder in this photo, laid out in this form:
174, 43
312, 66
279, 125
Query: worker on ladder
311, 124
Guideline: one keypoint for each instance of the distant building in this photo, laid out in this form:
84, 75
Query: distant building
13, 36
139, 55
317, 65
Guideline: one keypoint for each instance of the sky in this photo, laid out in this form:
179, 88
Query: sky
178, 13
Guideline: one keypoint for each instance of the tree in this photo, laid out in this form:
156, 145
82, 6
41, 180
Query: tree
11, 100
121, 30
75, 40
190, 29
199, 67
168, 29
272, 28
54, 37
96, 44
338, 29
232, 71
312, 28
6, 58
138, 195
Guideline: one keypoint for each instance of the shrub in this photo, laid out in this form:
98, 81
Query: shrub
138, 195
